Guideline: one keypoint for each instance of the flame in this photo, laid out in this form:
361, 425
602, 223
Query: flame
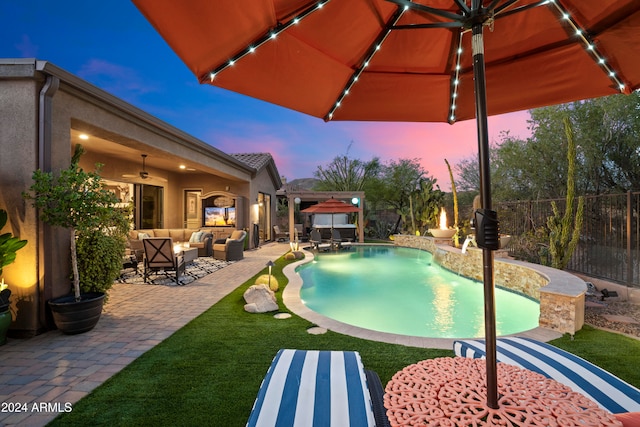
443, 220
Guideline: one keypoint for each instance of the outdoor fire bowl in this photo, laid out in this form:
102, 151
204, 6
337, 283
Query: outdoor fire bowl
439, 233
504, 240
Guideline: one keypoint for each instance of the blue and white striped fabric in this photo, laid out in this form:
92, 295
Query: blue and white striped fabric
313, 388
607, 390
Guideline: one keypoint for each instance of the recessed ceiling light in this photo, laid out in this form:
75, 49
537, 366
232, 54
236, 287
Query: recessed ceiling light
183, 167
83, 136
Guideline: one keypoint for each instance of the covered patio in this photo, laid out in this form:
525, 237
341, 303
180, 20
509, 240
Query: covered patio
168, 176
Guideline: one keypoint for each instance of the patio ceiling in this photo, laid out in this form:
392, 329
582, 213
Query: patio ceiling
131, 151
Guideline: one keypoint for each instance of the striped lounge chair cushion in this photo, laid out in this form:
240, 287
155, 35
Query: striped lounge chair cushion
607, 390
313, 388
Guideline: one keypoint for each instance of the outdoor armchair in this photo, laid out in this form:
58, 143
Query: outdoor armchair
159, 255
302, 233
316, 240
280, 235
232, 248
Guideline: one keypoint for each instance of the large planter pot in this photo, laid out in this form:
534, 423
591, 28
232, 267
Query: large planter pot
5, 322
75, 317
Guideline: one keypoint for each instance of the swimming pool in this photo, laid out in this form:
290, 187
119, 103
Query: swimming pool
401, 291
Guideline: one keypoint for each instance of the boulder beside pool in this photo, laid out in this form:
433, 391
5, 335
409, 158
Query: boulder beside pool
260, 299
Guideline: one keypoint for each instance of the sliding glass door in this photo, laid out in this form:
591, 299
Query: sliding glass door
264, 216
149, 206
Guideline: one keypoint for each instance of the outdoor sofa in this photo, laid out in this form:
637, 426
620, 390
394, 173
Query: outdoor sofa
201, 239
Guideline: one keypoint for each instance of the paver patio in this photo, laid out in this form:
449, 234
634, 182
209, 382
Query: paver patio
45, 375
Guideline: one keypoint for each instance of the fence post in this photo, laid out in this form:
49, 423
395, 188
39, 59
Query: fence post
629, 259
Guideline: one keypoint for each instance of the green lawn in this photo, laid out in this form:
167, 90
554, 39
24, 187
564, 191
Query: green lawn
209, 372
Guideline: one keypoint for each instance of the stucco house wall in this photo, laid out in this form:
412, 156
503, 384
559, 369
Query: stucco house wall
42, 111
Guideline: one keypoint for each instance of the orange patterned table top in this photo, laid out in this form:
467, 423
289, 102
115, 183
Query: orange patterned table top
452, 392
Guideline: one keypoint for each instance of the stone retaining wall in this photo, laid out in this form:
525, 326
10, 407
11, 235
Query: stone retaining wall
561, 295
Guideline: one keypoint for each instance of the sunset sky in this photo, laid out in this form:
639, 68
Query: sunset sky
111, 45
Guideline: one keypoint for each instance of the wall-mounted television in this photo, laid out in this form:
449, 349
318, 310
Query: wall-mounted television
219, 216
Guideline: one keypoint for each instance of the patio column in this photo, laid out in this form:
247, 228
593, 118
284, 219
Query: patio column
292, 208
361, 220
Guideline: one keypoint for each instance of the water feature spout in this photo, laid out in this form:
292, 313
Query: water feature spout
471, 239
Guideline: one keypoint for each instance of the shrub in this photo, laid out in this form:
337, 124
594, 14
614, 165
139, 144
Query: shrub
99, 260
272, 283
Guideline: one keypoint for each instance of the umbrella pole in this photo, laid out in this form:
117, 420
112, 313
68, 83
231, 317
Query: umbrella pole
485, 191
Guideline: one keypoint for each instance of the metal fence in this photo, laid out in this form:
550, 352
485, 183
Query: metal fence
609, 246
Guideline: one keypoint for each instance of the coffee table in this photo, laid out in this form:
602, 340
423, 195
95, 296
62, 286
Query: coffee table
189, 254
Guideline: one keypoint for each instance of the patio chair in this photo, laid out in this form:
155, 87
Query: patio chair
279, 235
316, 240
311, 387
338, 240
302, 235
159, 255
608, 391
231, 249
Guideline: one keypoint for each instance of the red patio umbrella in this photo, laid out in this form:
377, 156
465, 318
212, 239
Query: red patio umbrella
401, 60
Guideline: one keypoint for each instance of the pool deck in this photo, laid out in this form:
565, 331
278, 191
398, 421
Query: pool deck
291, 298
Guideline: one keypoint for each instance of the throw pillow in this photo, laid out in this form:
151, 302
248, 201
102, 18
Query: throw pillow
143, 236
194, 237
201, 236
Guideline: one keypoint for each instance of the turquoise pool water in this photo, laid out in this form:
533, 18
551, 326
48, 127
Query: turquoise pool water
401, 291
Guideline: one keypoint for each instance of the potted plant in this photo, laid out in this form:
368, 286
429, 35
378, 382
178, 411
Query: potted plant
77, 200
9, 245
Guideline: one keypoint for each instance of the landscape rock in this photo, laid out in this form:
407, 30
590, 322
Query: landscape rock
260, 299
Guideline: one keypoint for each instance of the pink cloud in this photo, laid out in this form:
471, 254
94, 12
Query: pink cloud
299, 148
284, 158
434, 142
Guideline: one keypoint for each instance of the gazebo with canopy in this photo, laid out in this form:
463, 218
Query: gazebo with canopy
294, 199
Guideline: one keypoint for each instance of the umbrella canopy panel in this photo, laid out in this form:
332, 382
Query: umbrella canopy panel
375, 60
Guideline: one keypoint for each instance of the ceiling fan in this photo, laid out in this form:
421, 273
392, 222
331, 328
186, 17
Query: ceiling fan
143, 173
